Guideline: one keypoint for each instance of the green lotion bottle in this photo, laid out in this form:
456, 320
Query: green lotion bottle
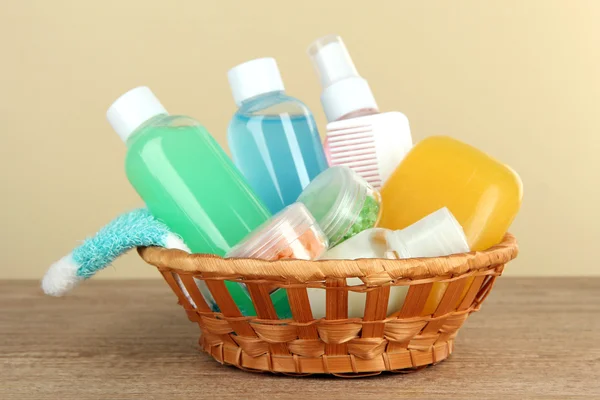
186, 179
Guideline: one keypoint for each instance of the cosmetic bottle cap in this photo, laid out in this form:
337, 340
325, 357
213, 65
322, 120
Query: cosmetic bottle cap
132, 109
438, 234
253, 78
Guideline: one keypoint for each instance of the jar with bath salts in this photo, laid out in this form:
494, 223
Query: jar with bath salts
342, 202
291, 233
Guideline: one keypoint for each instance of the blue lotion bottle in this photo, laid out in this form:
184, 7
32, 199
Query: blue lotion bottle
273, 137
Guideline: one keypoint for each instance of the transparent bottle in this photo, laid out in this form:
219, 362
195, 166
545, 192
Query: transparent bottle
184, 177
273, 137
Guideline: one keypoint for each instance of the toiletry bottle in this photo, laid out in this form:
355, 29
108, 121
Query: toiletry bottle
185, 178
483, 194
273, 137
369, 243
358, 136
438, 234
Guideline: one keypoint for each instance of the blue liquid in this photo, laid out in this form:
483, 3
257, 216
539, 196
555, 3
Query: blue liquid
275, 143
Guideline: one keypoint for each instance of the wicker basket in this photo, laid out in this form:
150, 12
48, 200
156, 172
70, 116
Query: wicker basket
336, 344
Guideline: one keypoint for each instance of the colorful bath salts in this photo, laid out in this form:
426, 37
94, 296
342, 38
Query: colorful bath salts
342, 202
366, 219
292, 233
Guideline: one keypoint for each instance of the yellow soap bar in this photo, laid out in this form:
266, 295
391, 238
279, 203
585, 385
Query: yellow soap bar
482, 193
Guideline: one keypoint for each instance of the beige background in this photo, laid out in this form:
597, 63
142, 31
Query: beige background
519, 79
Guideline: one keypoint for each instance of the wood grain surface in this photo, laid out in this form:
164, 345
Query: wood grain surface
533, 339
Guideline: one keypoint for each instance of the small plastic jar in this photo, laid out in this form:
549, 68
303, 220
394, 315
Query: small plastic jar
291, 233
342, 202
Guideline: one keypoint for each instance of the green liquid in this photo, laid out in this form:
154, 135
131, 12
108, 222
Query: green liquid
188, 182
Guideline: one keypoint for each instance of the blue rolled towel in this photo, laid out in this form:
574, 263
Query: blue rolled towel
127, 231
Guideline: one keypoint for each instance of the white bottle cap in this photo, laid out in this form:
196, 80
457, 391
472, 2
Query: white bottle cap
344, 91
253, 78
438, 234
132, 109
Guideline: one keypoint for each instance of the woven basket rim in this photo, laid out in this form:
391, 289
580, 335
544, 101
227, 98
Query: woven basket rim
373, 271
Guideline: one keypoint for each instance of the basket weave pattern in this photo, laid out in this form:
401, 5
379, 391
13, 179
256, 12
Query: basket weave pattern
335, 344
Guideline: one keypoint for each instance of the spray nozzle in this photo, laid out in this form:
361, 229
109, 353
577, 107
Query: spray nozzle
344, 91
331, 60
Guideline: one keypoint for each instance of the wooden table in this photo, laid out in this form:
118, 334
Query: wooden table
534, 338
